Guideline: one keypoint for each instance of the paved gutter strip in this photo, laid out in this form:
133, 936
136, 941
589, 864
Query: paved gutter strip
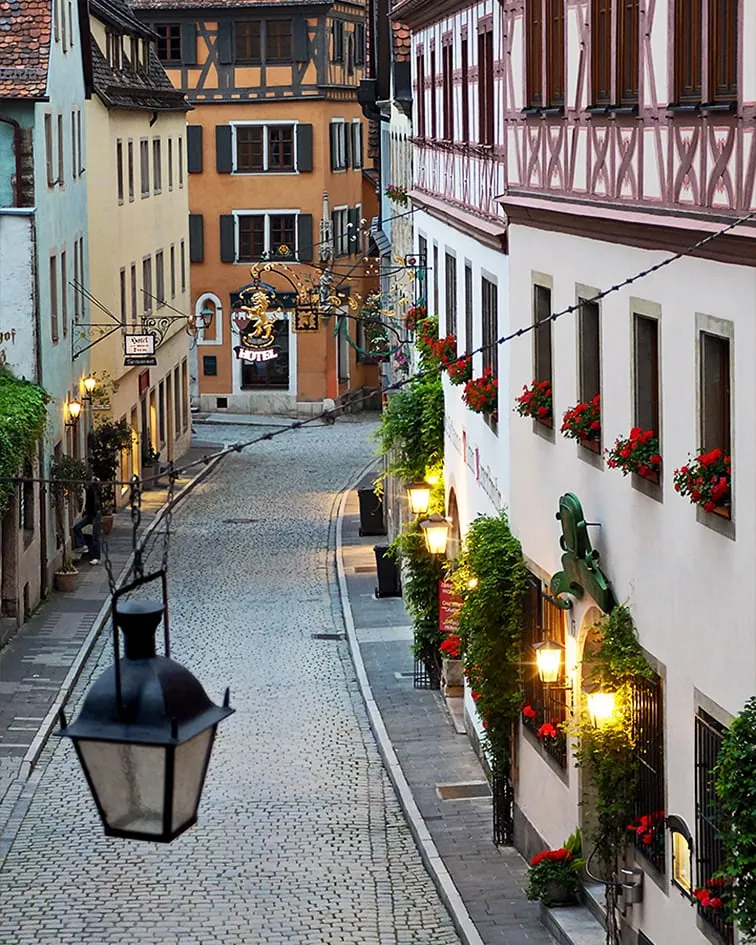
45, 730
433, 861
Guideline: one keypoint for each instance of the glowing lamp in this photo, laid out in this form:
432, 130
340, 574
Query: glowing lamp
436, 532
74, 410
472, 583
600, 707
89, 384
418, 494
548, 660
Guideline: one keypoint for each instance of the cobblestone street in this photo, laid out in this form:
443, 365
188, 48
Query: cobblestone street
300, 838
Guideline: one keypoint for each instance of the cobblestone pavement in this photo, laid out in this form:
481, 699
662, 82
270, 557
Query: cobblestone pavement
300, 838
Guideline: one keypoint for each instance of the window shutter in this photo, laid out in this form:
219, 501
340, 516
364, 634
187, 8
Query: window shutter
353, 240
223, 149
189, 44
196, 238
346, 134
225, 42
304, 237
334, 131
301, 44
304, 147
227, 239
194, 149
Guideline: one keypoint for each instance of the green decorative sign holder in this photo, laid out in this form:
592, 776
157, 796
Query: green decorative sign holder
580, 572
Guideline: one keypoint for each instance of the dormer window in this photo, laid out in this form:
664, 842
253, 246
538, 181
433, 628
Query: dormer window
114, 51
134, 54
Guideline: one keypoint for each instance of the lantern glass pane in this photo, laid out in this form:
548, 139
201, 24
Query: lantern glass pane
601, 707
549, 660
435, 538
129, 781
190, 765
419, 498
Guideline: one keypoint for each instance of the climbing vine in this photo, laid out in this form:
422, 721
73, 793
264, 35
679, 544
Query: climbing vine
22, 424
490, 579
607, 752
735, 779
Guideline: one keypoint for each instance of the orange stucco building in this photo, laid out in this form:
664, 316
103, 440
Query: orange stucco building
275, 152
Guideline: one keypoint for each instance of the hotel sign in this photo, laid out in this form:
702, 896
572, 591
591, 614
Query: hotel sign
257, 329
139, 350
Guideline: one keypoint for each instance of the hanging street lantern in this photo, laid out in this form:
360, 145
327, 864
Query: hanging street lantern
436, 530
145, 731
89, 382
419, 494
74, 412
548, 660
600, 705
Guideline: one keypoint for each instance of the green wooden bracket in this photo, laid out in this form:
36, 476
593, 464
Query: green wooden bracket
580, 563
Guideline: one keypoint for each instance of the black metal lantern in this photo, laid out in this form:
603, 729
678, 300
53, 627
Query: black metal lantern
145, 731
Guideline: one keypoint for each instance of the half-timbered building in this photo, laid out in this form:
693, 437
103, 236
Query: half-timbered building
275, 154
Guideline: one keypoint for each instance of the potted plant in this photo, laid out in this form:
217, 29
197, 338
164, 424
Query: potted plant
460, 370
415, 314
68, 476
452, 665
65, 576
150, 465
554, 875
583, 421
639, 453
706, 481
105, 443
536, 401
482, 394
397, 194
444, 349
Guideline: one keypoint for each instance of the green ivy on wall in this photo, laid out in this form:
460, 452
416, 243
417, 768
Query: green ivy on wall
420, 576
490, 579
22, 424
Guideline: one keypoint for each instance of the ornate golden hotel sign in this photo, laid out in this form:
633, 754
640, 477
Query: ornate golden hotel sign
257, 328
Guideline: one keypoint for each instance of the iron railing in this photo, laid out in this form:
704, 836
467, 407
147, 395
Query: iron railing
647, 721
503, 810
427, 673
710, 857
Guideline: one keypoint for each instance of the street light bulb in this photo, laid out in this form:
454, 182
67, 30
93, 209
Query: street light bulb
600, 707
548, 660
90, 383
74, 409
436, 532
419, 497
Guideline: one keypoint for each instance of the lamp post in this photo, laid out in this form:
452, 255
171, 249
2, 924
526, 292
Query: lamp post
436, 533
145, 731
419, 494
548, 660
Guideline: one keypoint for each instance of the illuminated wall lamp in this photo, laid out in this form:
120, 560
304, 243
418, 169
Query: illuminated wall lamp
436, 530
601, 705
74, 411
548, 660
89, 385
418, 494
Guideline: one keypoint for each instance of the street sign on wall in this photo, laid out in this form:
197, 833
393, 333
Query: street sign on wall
139, 350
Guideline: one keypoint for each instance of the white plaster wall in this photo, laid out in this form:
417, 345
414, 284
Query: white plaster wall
690, 588
17, 292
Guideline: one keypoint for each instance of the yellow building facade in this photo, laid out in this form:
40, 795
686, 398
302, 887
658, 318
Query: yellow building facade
138, 241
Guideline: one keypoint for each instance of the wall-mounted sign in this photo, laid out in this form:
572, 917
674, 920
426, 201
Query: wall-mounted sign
257, 328
449, 603
306, 320
139, 350
580, 563
252, 354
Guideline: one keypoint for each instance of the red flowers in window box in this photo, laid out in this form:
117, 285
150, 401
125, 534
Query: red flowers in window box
639, 453
396, 193
415, 315
583, 421
714, 893
481, 394
460, 371
535, 401
547, 730
444, 349
645, 826
706, 480
529, 712
451, 648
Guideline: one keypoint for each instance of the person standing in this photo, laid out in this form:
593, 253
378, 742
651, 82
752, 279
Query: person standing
91, 515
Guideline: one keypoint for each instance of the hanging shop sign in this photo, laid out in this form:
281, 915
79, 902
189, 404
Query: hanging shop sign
256, 327
581, 572
306, 320
449, 603
139, 350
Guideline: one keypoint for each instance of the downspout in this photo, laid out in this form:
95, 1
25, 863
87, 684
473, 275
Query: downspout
18, 187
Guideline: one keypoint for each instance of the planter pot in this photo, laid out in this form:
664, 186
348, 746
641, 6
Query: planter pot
371, 513
388, 574
148, 474
559, 894
452, 677
66, 581
107, 523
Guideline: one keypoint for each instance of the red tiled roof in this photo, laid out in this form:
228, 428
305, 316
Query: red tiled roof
402, 42
25, 27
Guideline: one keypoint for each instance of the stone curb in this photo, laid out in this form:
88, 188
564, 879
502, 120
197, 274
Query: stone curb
45, 730
432, 859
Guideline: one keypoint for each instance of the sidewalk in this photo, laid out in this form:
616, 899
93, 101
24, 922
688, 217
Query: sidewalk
481, 884
40, 664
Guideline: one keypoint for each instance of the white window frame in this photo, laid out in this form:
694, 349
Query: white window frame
342, 232
341, 153
263, 124
357, 124
198, 306
267, 214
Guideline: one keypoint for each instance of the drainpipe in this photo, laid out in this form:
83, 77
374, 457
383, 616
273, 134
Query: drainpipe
18, 201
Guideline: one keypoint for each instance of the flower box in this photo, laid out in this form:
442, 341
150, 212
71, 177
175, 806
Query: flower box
583, 422
554, 875
481, 394
536, 401
415, 315
397, 194
706, 481
460, 370
638, 453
